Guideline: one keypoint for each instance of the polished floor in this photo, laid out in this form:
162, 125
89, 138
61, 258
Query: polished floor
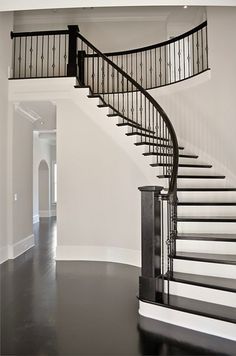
83, 308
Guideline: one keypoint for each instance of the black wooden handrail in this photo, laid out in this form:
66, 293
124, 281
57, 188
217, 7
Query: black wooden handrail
38, 33
173, 179
168, 62
158, 45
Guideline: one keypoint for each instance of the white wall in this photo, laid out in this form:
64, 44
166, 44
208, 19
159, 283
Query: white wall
204, 114
98, 197
44, 190
6, 25
20, 183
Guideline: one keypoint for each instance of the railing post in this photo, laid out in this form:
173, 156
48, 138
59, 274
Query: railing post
81, 56
72, 65
151, 220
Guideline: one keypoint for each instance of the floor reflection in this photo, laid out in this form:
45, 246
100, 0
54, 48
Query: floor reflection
82, 308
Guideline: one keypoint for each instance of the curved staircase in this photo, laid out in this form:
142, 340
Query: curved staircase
193, 264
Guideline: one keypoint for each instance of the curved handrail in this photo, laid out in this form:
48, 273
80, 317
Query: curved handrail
134, 85
160, 44
168, 62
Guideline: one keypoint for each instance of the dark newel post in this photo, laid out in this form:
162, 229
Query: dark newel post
81, 56
151, 242
72, 65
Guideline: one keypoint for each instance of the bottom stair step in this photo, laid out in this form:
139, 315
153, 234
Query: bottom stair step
226, 284
193, 314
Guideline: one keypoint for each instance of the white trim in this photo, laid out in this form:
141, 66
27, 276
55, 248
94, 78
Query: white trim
3, 254
188, 320
47, 213
99, 253
35, 219
20, 247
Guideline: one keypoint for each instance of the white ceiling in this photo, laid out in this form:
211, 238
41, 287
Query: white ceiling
13, 5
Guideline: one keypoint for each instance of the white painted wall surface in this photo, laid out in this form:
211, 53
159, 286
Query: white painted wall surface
22, 182
6, 25
99, 172
98, 198
44, 190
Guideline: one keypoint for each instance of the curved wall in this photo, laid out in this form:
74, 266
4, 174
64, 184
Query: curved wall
203, 109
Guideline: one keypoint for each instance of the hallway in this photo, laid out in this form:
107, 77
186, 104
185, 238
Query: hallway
83, 308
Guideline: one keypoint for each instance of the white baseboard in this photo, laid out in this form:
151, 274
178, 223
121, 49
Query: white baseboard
99, 253
35, 219
20, 247
47, 213
3, 254
191, 321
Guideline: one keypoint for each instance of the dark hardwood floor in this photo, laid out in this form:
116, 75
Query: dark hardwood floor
84, 308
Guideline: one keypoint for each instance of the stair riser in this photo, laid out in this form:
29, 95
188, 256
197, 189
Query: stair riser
205, 268
184, 210
205, 183
207, 227
196, 183
217, 247
204, 294
194, 322
207, 196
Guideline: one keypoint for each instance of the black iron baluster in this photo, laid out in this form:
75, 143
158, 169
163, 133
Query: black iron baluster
19, 58
165, 65
42, 57
155, 67
174, 62
193, 54
151, 69
65, 55
14, 57
31, 55
202, 49
207, 48
184, 58
160, 74
170, 64
93, 70
59, 55
48, 56
26, 38
198, 60
188, 58
53, 56
36, 57
98, 71
179, 56
146, 67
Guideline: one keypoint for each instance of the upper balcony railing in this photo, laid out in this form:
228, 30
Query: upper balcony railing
54, 54
167, 62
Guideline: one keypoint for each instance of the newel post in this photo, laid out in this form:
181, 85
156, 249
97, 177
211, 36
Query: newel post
151, 242
81, 57
72, 65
